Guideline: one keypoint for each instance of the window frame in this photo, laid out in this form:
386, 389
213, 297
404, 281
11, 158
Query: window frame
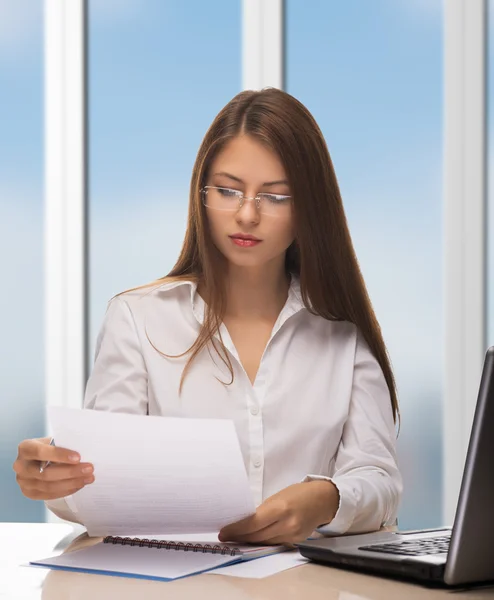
263, 57
465, 232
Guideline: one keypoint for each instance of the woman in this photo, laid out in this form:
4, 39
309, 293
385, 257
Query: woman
265, 320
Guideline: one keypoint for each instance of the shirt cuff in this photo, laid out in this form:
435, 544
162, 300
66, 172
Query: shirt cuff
347, 507
61, 508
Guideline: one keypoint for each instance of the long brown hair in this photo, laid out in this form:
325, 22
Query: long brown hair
322, 255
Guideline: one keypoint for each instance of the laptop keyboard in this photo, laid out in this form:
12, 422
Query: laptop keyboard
417, 547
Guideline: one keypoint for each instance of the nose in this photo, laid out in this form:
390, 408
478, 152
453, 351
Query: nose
248, 212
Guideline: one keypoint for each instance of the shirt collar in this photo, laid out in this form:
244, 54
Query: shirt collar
293, 304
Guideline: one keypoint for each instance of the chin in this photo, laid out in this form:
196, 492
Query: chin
244, 258
245, 261
252, 262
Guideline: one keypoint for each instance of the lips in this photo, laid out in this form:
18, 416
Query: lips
242, 236
244, 240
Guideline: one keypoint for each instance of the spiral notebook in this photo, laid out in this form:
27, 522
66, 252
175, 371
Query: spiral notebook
158, 558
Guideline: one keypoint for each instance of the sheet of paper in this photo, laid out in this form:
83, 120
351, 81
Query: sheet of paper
158, 474
131, 560
263, 567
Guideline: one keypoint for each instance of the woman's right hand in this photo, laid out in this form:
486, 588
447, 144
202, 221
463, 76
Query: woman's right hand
64, 476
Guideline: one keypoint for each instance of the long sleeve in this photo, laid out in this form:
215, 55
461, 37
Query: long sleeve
118, 381
365, 468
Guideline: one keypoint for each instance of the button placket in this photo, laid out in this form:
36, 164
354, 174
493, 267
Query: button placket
256, 443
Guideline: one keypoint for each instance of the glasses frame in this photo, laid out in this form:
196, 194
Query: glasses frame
241, 198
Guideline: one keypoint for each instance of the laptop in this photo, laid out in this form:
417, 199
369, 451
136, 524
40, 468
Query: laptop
448, 556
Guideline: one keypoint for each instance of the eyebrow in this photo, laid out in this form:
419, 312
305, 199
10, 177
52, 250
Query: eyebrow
265, 184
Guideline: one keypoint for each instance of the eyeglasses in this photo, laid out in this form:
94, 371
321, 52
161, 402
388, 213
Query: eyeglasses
220, 198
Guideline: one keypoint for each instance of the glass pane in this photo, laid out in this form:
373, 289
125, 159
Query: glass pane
374, 84
21, 245
157, 78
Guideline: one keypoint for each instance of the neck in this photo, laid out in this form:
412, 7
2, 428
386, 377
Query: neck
256, 293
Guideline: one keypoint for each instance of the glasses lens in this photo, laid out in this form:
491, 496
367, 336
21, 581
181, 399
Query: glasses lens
219, 198
275, 204
222, 198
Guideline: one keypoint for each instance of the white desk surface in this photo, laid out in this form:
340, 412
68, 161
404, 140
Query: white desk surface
23, 542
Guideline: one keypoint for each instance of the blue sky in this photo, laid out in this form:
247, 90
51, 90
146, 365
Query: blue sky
371, 73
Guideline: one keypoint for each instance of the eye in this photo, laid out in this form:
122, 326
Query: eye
276, 198
228, 192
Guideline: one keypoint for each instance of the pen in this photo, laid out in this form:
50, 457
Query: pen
44, 465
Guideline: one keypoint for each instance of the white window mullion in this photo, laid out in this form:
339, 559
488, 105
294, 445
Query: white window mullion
65, 205
65, 222
262, 44
464, 231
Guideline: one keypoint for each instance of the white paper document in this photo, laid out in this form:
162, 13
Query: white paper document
154, 475
263, 567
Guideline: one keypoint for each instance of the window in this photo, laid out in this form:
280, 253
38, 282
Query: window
374, 84
157, 78
21, 245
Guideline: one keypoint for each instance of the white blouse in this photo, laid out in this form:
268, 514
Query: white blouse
319, 406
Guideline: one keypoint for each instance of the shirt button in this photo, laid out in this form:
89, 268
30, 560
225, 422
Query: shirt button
257, 463
254, 410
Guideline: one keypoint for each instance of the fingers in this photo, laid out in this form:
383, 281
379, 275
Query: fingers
284, 540
40, 450
50, 490
263, 536
55, 472
275, 522
65, 475
266, 515
277, 533
242, 528
249, 528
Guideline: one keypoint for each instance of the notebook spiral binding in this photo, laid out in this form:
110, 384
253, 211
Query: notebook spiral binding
168, 545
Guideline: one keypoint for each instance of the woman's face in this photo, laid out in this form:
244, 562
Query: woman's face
246, 165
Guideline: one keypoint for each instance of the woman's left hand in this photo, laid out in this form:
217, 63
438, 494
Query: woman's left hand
287, 517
